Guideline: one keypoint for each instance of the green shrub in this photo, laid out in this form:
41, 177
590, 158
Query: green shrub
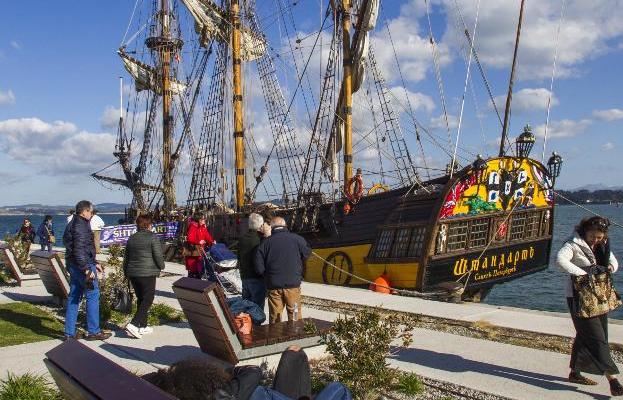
360, 345
27, 386
19, 250
409, 384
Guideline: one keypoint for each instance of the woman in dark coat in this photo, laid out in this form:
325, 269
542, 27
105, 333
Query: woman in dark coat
142, 263
590, 353
46, 233
26, 233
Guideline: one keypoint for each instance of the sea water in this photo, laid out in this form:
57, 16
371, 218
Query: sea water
10, 224
545, 290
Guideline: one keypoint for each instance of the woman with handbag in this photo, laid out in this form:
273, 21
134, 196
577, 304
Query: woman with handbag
587, 258
142, 264
46, 233
197, 239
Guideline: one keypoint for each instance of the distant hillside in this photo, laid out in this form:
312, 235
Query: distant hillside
603, 196
62, 209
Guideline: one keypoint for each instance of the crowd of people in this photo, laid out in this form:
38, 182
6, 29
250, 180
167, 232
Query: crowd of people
270, 261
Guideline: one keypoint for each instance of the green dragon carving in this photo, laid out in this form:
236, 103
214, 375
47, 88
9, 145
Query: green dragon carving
477, 205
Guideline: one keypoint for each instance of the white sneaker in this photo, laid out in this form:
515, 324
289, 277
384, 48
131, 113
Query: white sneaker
133, 331
146, 330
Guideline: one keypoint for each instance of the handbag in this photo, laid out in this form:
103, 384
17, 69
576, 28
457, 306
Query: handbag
122, 299
594, 292
51, 238
190, 250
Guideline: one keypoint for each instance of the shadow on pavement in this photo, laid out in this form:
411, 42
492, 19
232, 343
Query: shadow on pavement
458, 364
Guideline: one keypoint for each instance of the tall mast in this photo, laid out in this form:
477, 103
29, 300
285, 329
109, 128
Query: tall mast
348, 93
168, 187
238, 122
510, 84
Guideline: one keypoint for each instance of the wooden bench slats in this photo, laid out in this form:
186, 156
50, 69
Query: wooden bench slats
52, 271
206, 308
78, 370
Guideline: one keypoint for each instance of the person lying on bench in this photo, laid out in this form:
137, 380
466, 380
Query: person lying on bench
199, 379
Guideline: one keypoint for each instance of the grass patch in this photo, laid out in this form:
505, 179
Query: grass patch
5, 276
24, 323
159, 314
409, 384
27, 386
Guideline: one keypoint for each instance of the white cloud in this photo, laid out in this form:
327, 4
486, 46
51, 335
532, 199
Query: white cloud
528, 100
611, 114
608, 146
7, 97
15, 45
588, 30
563, 128
411, 43
55, 148
419, 101
440, 122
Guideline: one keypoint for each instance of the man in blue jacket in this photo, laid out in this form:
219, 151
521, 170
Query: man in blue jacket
280, 260
83, 269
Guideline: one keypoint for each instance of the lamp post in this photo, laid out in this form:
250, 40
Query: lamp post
525, 142
554, 164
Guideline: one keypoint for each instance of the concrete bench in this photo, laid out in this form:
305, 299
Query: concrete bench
81, 373
212, 323
23, 279
51, 269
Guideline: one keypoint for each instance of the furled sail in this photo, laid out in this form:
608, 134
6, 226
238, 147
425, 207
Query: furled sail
146, 77
370, 15
211, 23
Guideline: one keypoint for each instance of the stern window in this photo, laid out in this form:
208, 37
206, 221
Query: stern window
384, 243
457, 236
401, 243
416, 246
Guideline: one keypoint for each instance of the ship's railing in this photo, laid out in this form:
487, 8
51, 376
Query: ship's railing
472, 233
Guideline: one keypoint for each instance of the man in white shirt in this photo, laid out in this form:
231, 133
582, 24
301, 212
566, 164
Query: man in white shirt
70, 216
97, 223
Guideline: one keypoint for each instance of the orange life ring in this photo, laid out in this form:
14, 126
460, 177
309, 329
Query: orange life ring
354, 196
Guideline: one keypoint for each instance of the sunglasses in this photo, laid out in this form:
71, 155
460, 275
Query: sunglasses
603, 223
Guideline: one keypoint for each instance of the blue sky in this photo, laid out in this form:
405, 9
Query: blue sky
59, 85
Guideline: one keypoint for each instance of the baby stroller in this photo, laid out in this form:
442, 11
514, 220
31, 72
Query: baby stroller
221, 265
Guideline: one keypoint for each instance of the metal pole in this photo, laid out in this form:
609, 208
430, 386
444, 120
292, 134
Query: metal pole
510, 84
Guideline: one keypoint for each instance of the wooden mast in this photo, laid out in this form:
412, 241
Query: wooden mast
348, 93
168, 187
510, 84
238, 121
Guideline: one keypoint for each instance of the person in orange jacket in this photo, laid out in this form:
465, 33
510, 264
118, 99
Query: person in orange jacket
198, 237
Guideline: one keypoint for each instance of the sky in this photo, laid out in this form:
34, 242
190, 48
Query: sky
59, 85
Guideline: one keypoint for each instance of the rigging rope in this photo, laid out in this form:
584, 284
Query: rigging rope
469, 65
586, 209
551, 84
431, 39
412, 293
404, 87
130, 22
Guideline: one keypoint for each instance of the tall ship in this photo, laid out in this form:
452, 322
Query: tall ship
209, 118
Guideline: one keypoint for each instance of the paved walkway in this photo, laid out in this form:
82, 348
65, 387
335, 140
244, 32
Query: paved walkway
498, 368
529, 320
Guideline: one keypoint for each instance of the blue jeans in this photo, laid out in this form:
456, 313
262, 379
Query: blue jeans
77, 288
254, 290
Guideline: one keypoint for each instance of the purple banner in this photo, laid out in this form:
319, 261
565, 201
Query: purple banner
119, 234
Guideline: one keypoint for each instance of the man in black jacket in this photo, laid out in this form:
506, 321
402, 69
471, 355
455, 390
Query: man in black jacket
253, 286
280, 259
83, 269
